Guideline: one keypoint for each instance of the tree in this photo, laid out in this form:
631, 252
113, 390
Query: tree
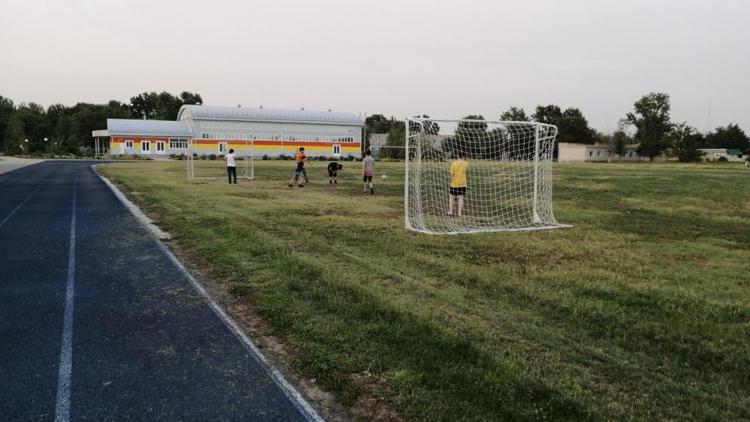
573, 127
14, 135
190, 98
684, 142
6, 111
144, 106
377, 123
429, 127
730, 137
549, 114
651, 120
514, 114
473, 138
396, 139
619, 140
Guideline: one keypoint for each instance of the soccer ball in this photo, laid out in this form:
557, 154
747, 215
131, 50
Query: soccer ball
384, 177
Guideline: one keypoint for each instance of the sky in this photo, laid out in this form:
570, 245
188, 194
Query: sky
446, 59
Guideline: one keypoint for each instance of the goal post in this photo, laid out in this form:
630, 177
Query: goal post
204, 161
469, 176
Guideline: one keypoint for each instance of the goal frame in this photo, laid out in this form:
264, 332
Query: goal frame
408, 162
247, 158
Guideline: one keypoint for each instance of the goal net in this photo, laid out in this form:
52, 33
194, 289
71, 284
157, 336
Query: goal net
205, 159
467, 176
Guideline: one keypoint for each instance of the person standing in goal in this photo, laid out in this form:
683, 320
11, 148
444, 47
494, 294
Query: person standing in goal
368, 169
457, 188
231, 166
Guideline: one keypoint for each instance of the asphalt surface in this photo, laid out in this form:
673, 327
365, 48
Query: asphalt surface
143, 343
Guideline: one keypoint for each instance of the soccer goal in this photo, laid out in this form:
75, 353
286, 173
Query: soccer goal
501, 179
204, 159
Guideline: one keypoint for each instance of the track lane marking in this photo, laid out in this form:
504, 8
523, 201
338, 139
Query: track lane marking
62, 408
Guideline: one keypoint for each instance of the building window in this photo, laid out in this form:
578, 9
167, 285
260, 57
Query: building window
591, 153
145, 146
222, 146
128, 144
178, 144
160, 146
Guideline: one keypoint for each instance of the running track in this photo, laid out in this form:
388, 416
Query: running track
98, 323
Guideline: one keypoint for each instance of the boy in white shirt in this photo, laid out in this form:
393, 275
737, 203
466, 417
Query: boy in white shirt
231, 166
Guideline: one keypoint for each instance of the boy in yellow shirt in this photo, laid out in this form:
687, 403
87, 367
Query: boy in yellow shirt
457, 188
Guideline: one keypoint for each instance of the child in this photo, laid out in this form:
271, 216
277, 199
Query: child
231, 166
333, 169
368, 169
457, 187
302, 157
298, 172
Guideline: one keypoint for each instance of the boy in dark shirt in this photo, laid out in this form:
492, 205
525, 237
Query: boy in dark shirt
298, 173
333, 169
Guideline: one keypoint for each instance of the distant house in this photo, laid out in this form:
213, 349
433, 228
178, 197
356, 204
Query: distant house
715, 154
584, 153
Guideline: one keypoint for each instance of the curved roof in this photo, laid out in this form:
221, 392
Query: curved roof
147, 127
252, 114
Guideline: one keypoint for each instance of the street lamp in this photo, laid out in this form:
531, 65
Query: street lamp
45, 144
26, 148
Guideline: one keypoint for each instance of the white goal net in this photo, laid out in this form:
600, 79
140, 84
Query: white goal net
205, 160
467, 176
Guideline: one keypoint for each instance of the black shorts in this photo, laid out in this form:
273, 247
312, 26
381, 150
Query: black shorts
367, 179
458, 191
331, 173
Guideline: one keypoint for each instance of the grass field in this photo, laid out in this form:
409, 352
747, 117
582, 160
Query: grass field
640, 311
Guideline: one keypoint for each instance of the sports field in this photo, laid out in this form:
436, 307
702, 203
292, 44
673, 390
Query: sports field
641, 310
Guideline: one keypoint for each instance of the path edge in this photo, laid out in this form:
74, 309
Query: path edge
289, 391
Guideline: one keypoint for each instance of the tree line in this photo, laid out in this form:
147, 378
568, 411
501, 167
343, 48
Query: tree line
29, 128
648, 125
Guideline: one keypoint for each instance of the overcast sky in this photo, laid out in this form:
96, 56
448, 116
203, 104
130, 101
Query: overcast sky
441, 58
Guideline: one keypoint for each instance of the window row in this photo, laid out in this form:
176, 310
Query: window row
173, 144
630, 154
246, 137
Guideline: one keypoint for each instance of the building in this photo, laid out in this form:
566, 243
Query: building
715, 154
584, 153
261, 131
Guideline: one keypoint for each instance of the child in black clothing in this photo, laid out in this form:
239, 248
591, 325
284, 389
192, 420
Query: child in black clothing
333, 169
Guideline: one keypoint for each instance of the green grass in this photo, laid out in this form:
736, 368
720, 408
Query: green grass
640, 311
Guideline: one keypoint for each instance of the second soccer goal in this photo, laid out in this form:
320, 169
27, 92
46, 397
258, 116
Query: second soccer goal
467, 176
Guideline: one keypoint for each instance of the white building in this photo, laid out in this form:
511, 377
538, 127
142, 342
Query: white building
584, 153
714, 154
206, 130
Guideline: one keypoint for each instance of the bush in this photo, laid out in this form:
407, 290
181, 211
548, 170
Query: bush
722, 159
265, 157
203, 156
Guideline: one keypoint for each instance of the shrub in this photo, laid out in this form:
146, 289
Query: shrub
212, 156
265, 157
722, 159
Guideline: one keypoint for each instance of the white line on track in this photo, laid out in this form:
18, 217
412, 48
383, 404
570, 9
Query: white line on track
62, 409
289, 391
19, 206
